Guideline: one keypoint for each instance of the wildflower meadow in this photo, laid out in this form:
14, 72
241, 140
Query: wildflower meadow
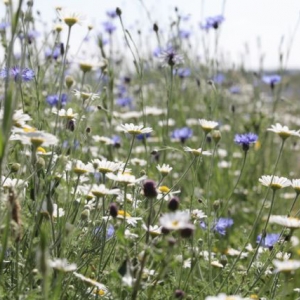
130, 174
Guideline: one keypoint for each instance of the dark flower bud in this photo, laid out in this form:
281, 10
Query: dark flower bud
88, 130
171, 241
165, 230
216, 135
150, 189
188, 231
224, 260
113, 210
155, 27
118, 11
71, 125
173, 204
216, 204
15, 167
179, 294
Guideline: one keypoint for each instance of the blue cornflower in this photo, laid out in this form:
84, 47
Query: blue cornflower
124, 101
182, 134
54, 53
269, 240
27, 74
110, 231
53, 100
220, 225
111, 13
109, 27
185, 34
183, 72
271, 80
171, 57
143, 136
212, 22
245, 140
3, 26
17, 74
116, 140
219, 78
235, 89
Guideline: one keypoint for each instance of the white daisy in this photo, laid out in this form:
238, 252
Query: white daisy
175, 221
296, 185
224, 297
85, 96
101, 190
208, 126
164, 169
289, 222
68, 114
102, 289
197, 152
283, 131
36, 138
286, 265
135, 129
274, 182
62, 265
125, 178
70, 18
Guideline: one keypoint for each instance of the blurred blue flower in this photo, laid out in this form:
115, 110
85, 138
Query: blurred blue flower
142, 136
183, 72
111, 13
185, 34
182, 134
110, 231
124, 101
54, 53
212, 22
271, 80
219, 78
269, 240
235, 89
220, 225
3, 26
170, 57
109, 27
53, 100
17, 74
245, 140
116, 141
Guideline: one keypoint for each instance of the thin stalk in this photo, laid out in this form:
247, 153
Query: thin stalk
130, 150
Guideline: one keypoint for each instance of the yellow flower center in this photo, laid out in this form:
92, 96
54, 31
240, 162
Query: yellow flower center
70, 21
122, 214
41, 150
37, 141
79, 171
164, 189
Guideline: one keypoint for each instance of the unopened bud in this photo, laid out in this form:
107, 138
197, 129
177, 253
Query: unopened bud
216, 135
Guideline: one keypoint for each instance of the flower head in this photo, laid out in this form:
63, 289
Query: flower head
135, 129
208, 126
274, 182
271, 80
296, 185
212, 22
62, 265
197, 152
286, 265
175, 221
164, 169
245, 140
18, 74
283, 131
182, 134
268, 241
70, 18
109, 27
285, 221
219, 225
170, 58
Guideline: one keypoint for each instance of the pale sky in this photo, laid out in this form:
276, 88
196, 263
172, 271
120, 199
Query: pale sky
246, 21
